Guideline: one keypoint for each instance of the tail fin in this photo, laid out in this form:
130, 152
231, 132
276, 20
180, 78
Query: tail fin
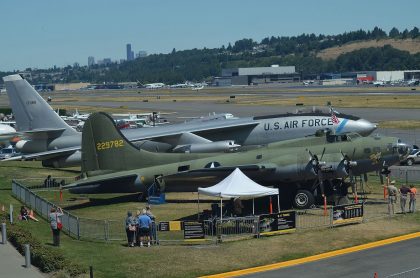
31, 111
104, 148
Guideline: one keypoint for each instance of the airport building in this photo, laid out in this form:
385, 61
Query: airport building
257, 75
388, 76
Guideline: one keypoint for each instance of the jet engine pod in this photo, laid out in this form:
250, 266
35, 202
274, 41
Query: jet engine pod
31, 146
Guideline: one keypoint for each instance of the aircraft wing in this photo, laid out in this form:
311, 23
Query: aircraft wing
163, 134
221, 172
97, 180
44, 155
43, 133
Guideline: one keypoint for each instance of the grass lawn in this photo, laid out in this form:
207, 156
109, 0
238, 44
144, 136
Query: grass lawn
114, 259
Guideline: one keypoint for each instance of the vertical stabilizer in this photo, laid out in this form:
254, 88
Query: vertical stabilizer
104, 148
31, 111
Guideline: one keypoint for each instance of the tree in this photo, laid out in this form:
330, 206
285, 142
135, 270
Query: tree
414, 33
394, 33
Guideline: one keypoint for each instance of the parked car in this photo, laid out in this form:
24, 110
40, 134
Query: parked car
412, 158
8, 153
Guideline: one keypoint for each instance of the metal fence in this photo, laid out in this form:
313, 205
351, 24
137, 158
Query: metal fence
214, 230
406, 175
314, 218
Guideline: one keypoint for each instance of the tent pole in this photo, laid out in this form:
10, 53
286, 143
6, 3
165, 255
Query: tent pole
253, 207
198, 207
278, 203
221, 210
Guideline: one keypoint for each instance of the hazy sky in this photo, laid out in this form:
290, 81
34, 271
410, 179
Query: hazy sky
45, 33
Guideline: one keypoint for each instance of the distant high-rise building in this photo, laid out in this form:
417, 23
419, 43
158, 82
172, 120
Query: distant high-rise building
130, 53
91, 61
142, 54
107, 61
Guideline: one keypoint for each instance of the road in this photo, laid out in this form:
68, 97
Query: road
386, 260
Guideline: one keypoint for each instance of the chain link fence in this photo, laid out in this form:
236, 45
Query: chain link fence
214, 229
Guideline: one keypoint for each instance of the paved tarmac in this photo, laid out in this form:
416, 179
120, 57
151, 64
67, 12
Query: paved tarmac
386, 260
12, 264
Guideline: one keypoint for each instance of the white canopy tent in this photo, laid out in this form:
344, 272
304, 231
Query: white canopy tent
238, 185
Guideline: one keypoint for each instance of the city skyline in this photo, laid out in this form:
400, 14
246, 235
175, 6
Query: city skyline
39, 34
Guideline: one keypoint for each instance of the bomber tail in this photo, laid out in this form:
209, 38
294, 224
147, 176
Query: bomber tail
105, 149
31, 111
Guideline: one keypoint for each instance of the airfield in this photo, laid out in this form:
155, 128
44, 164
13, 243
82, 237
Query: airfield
379, 105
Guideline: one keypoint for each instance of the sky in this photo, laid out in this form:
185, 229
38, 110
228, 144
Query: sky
44, 33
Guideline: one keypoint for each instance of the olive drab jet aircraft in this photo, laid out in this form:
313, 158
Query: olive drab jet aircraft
314, 165
50, 139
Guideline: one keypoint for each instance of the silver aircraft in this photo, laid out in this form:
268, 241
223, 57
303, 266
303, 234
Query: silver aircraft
48, 138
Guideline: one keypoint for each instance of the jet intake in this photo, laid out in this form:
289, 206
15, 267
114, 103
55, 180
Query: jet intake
211, 147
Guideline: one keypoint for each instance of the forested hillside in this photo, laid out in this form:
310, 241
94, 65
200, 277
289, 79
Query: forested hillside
310, 53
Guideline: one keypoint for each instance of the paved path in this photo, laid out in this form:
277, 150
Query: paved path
12, 264
386, 260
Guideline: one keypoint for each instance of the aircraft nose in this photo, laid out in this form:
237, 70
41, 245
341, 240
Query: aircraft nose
365, 127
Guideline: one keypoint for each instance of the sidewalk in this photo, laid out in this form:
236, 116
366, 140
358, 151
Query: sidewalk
12, 264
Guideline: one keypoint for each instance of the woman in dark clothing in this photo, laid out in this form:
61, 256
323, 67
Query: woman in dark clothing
130, 228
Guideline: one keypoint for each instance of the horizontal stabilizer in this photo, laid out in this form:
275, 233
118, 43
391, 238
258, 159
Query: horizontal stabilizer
44, 155
43, 133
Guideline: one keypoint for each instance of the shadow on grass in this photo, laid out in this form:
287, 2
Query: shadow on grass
95, 202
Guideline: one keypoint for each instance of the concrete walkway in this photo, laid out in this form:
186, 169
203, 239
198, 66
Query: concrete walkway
12, 264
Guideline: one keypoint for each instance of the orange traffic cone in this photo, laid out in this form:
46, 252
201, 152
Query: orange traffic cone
376, 275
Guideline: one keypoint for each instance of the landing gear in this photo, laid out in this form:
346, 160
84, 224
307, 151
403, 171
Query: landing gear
303, 199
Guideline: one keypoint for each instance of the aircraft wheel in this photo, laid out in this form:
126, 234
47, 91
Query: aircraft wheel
303, 199
410, 162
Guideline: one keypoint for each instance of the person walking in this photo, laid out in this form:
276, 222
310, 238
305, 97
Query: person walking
130, 228
412, 204
145, 226
56, 225
392, 197
404, 191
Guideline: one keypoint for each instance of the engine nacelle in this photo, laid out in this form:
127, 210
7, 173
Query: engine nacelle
211, 147
31, 146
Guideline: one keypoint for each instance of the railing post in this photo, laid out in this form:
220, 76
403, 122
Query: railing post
106, 230
331, 216
3, 233
78, 228
11, 214
27, 256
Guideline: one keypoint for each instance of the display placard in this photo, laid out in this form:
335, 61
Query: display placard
277, 223
347, 214
193, 230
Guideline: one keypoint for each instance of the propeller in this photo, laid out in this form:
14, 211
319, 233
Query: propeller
348, 164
